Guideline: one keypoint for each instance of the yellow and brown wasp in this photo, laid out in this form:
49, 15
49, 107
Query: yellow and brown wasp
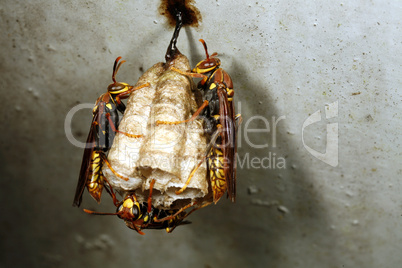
218, 109
100, 138
139, 216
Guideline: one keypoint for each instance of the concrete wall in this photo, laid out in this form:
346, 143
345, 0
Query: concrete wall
288, 60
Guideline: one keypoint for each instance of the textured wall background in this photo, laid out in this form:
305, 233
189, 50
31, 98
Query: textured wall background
287, 59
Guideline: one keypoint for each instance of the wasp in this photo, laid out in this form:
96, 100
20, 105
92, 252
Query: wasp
216, 87
139, 216
100, 138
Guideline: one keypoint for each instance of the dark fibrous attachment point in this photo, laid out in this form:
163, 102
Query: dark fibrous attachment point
190, 14
172, 50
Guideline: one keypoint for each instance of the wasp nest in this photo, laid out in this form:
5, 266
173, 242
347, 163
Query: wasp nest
166, 153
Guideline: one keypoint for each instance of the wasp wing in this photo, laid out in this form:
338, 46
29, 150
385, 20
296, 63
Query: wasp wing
164, 225
232, 183
228, 136
86, 162
235, 150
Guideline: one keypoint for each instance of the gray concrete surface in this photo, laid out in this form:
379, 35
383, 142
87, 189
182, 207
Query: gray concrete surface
288, 60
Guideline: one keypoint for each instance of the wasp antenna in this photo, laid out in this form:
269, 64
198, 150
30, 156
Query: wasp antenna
115, 68
205, 47
214, 54
118, 66
99, 213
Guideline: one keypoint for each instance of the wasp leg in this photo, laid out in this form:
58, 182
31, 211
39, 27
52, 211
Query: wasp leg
195, 75
195, 115
190, 176
211, 143
148, 215
111, 193
125, 94
112, 169
191, 74
174, 215
169, 230
116, 130
151, 186
131, 225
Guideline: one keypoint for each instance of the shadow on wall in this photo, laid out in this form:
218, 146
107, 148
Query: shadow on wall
283, 207
275, 207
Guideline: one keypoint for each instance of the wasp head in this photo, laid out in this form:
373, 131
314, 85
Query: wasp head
130, 209
117, 87
210, 64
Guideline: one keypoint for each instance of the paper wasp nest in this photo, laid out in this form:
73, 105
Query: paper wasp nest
166, 153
